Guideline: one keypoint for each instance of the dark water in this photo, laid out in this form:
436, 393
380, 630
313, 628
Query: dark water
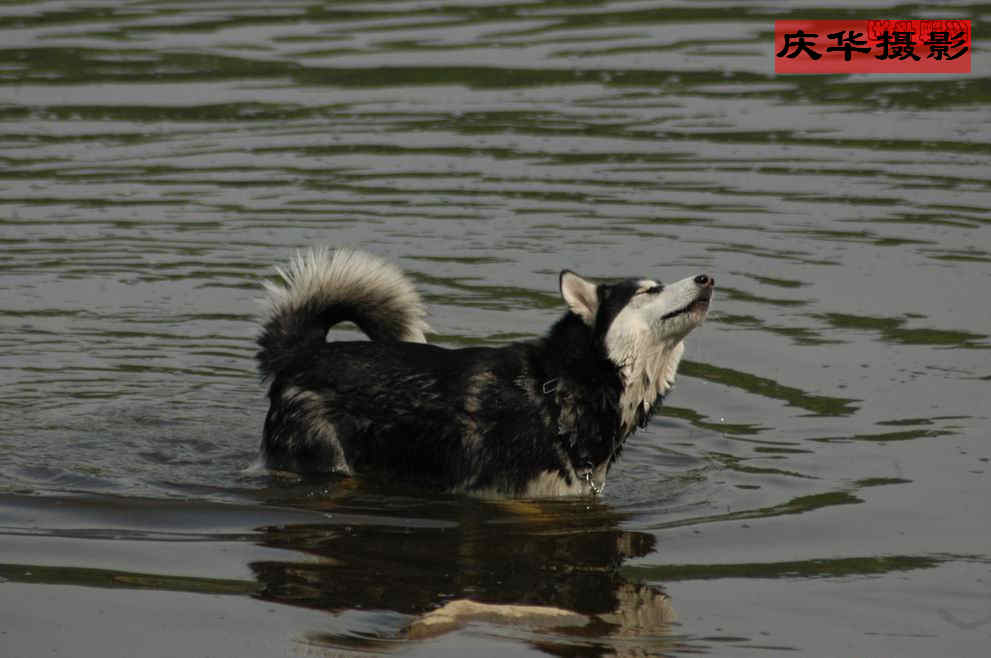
817, 484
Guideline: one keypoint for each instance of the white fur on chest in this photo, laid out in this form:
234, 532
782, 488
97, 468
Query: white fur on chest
647, 367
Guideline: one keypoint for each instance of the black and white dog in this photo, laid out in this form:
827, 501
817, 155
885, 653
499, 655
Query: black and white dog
540, 418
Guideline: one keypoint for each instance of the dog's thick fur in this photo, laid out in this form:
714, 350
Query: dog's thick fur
537, 418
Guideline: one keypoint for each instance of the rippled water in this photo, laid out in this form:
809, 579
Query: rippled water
817, 482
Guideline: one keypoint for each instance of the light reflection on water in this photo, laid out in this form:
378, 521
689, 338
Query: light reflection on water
159, 158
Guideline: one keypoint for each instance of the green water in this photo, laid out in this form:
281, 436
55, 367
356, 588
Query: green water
816, 483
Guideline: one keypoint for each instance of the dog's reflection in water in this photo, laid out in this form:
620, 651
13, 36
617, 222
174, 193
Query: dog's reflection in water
442, 564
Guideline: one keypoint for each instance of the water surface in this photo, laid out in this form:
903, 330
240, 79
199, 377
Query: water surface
816, 483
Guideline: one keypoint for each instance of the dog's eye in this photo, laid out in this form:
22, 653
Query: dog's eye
652, 290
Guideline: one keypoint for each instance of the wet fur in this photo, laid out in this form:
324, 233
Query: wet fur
537, 418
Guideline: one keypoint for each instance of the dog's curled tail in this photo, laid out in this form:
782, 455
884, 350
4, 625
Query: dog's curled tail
322, 287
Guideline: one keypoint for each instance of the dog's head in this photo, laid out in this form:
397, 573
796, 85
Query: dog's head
640, 325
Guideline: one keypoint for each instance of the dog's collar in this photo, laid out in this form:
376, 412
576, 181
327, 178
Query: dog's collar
594, 489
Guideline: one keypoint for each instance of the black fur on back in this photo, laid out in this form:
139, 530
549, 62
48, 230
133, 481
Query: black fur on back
290, 340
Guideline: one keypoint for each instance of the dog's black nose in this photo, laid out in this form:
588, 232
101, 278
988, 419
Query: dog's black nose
705, 280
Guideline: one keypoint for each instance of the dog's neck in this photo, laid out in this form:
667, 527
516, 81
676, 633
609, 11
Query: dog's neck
601, 402
585, 386
647, 374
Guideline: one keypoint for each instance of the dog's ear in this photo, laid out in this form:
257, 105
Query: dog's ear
580, 295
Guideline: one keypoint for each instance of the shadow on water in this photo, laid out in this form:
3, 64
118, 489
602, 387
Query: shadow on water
554, 574
391, 566
533, 564
388, 567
